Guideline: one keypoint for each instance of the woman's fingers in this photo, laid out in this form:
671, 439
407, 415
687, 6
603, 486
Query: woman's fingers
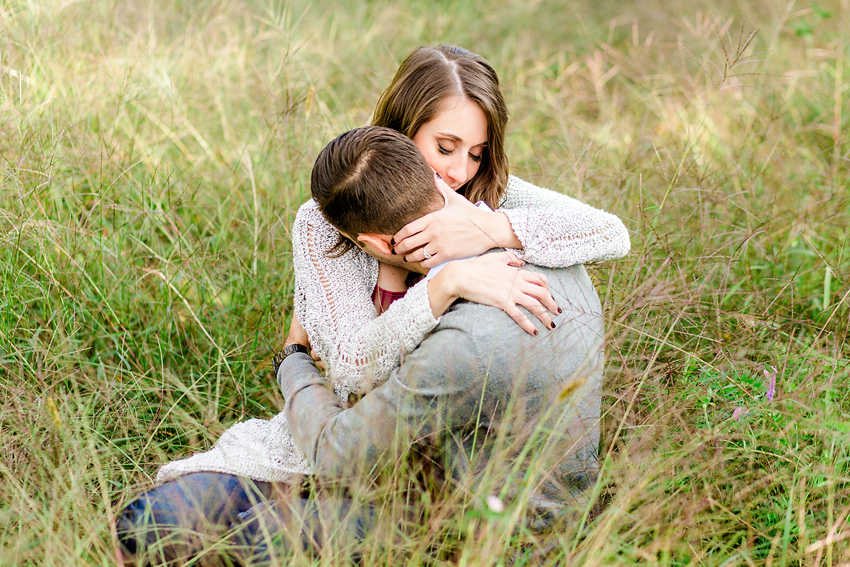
533, 294
531, 297
435, 260
404, 240
529, 291
492, 280
416, 246
521, 319
513, 259
549, 302
543, 294
509, 258
411, 228
536, 308
533, 306
411, 246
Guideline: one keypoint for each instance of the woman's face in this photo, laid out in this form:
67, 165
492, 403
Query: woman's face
454, 140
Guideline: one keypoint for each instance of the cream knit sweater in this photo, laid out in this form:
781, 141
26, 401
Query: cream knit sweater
333, 301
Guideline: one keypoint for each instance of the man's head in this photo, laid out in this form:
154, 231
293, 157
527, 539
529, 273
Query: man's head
370, 182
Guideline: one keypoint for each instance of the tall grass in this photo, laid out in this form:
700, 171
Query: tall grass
153, 156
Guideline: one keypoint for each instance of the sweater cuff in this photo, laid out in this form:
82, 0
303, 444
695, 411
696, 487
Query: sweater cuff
297, 372
422, 318
520, 221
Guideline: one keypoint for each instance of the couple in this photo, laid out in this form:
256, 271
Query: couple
456, 376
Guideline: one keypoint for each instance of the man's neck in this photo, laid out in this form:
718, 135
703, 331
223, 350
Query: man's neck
392, 278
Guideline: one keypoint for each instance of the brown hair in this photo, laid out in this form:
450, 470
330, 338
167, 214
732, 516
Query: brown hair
371, 180
422, 83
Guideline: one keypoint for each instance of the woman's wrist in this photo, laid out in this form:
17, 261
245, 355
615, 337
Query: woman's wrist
499, 231
443, 289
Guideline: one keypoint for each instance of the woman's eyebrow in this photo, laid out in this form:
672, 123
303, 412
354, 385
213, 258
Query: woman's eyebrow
456, 138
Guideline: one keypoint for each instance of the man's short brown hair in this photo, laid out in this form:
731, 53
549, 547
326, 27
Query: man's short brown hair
372, 180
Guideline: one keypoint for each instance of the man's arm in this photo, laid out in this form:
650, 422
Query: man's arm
432, 390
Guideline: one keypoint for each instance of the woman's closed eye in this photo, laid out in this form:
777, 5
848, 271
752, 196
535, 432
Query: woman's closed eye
447, 152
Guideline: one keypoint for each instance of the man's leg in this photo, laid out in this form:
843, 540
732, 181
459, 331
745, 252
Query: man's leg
278, 528
174, 521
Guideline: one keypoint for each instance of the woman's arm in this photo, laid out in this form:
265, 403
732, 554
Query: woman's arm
459, 230
333, 302
551, 229
495, 280
559, 231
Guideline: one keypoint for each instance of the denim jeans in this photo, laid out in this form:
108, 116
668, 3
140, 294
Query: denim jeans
220, 519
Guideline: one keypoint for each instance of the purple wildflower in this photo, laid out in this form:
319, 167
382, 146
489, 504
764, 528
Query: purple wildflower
739, 413
771, 383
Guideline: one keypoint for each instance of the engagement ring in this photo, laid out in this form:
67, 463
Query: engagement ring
425, 251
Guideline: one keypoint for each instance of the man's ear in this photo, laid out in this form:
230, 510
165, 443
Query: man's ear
379, 242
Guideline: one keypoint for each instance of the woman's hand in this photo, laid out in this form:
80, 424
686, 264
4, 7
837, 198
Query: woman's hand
495, 280
458, 230
298, 335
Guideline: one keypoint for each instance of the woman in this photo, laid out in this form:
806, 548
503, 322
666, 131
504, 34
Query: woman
448, 101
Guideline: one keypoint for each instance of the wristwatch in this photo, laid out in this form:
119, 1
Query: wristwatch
287, 350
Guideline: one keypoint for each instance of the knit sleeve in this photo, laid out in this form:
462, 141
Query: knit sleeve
559, 231
333, 302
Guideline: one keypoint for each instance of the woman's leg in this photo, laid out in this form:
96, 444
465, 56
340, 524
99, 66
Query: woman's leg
176, 520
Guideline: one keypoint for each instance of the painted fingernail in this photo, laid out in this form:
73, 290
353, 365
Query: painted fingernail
536, 332
404, 258
553, 325
393, 251
560, 310
392, 241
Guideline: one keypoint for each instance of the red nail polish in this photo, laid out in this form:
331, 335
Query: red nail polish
553, 325
535, 332
560, 310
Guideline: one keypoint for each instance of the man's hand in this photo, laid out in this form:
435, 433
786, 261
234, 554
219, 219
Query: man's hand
297, 335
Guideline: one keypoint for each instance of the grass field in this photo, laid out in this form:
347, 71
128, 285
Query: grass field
152, 157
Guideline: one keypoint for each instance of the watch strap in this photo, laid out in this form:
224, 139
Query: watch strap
287, 350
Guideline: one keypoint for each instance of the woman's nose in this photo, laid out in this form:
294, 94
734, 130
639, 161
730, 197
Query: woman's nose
457, 171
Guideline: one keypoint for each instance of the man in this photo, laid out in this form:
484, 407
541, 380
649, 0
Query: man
503, 409
499, 410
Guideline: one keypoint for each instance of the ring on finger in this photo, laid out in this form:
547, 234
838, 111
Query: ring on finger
425, 253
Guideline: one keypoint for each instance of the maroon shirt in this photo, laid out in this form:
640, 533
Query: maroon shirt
386, 298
